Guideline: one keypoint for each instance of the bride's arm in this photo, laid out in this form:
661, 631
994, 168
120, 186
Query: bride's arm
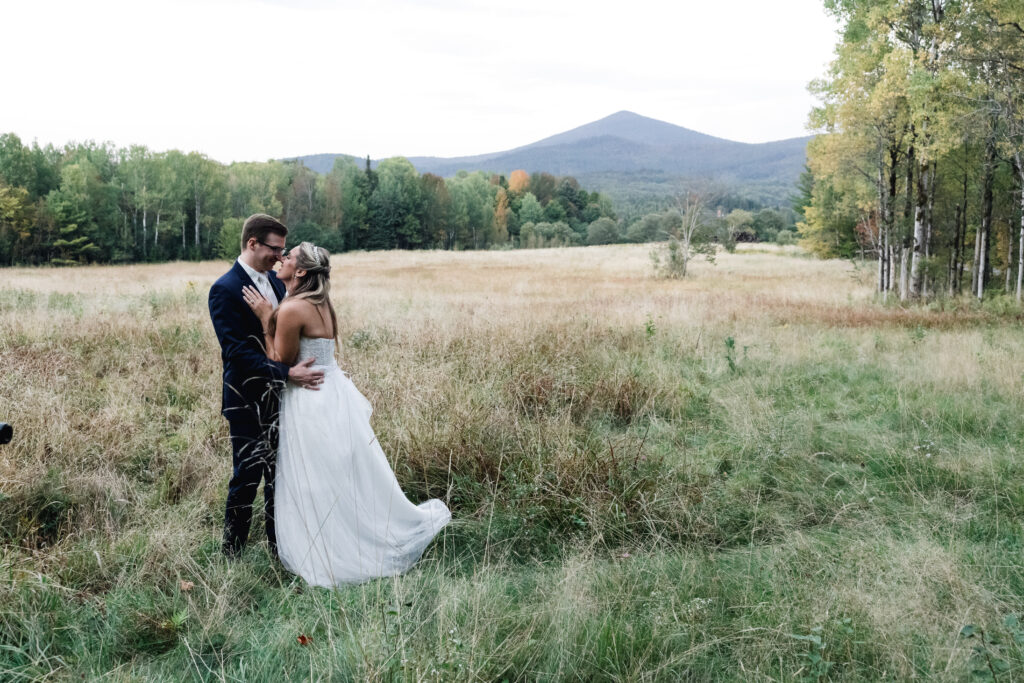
281, 337
265, 312
285, 342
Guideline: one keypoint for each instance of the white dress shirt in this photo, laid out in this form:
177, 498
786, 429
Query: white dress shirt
261, 281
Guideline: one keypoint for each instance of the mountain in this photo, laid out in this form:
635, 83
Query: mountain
628, 156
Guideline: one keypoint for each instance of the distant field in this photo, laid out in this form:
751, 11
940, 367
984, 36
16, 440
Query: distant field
759, 473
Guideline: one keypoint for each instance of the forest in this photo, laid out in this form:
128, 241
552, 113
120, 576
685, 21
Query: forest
95, 203
920, 163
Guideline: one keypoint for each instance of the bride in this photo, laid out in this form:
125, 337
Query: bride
341, 516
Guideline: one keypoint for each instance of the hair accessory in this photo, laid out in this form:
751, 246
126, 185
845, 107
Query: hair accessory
316, 254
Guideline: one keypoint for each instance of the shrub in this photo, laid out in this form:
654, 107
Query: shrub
602, 231
785, 237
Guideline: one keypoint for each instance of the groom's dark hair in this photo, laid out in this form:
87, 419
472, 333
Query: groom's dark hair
259, 225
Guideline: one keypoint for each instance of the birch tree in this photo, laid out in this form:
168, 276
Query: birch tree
689, 234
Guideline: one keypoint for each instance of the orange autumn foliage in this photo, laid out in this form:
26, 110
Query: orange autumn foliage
518, 181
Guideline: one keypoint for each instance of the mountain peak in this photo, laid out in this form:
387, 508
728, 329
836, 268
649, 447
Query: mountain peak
632, 127
623, 114
610, 154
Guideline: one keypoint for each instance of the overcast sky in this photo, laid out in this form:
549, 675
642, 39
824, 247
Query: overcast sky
257, 79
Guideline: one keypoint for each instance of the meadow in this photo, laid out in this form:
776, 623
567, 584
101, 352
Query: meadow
760, 473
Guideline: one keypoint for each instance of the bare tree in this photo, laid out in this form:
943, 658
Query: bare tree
689, 232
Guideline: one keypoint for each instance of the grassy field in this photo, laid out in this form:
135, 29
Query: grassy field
759, 473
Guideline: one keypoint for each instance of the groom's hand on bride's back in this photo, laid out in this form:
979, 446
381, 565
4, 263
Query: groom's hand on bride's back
303, 375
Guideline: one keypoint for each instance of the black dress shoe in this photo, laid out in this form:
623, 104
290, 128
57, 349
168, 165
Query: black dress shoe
232, 547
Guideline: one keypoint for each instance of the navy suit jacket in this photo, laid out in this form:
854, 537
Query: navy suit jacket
251, 380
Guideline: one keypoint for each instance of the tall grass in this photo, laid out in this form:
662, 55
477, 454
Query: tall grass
758, 473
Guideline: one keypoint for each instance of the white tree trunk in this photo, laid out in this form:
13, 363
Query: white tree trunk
881, 271
1009, 260
880, 240
928, 225
1020, 248
884, 268
890, 259
144, 228
976, 260
983, 242
920, 235
904, 272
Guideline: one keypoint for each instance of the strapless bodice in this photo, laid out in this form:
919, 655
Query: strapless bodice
316, 347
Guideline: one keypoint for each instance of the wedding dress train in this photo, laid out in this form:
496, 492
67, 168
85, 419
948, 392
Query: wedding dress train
341, 516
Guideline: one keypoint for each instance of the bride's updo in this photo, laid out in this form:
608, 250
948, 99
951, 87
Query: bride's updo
315, 285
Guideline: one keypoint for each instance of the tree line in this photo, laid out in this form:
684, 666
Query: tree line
94, 203
921, 161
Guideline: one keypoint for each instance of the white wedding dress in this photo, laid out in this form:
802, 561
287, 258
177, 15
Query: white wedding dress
340, 514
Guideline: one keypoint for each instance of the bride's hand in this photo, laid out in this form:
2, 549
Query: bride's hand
258, 303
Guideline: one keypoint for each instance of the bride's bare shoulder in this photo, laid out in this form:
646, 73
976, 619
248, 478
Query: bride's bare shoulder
296, 309
296, 305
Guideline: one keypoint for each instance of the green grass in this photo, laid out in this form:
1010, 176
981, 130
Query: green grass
631, 502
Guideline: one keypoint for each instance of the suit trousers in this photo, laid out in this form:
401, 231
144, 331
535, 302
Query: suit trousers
254, 457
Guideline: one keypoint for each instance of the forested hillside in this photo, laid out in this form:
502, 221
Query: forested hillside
633, 158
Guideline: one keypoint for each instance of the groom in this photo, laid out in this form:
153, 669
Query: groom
252, 382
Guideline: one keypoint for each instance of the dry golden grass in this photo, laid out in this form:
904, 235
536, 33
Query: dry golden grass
635, 499
614, 282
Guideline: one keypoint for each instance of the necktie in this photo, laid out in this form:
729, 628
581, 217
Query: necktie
263, 284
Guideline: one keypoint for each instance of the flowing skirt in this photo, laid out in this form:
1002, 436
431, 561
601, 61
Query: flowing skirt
341, 516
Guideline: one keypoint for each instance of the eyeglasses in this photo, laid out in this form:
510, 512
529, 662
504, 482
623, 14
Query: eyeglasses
277, 250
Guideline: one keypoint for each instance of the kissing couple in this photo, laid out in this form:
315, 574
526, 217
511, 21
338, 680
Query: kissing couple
334, 510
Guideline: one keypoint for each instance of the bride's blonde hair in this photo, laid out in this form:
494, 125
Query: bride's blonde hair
315, 285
